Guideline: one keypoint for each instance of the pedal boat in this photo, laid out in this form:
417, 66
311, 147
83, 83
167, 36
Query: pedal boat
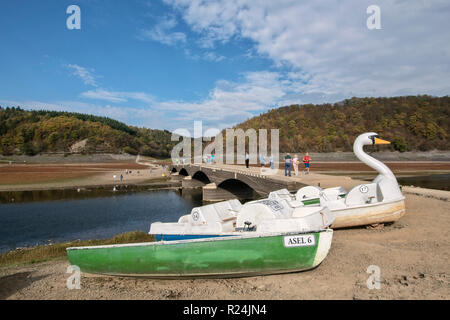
277, 213
379, 201
247, 254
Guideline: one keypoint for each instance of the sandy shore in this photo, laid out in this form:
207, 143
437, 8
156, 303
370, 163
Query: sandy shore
26, 177
413, 255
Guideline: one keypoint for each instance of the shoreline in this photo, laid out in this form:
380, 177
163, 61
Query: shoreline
165, 184
50, 176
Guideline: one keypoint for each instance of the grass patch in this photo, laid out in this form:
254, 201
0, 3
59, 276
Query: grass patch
58, 250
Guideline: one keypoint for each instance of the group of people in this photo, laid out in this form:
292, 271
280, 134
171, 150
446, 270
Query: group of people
289, 162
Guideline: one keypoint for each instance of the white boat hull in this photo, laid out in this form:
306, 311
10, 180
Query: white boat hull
369, 214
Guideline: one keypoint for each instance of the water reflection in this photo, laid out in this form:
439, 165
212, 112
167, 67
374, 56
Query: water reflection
429, 181
65, 194
64, 216
435, 181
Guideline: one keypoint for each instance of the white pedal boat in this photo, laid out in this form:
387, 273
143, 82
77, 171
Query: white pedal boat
375, 202
278, 213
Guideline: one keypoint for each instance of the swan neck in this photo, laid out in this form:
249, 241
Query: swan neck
372, 162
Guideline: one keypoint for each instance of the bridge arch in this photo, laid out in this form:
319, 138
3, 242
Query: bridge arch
201, 176
183, 172
238, 188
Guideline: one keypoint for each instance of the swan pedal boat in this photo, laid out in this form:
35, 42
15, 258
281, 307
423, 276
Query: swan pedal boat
247, 254
379, 201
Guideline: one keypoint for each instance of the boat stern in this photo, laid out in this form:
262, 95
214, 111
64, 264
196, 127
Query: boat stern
325, 239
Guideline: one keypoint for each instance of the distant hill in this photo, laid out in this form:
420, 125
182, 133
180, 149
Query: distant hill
410, 123
33, 132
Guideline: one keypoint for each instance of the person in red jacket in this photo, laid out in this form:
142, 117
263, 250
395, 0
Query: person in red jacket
306, 161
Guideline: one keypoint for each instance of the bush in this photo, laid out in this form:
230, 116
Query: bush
130, 150
399, 144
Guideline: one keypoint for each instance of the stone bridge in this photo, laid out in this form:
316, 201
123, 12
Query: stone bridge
224, 183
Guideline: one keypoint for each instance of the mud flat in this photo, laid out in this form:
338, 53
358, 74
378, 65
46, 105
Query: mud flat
27, 177
412, 255
58, 158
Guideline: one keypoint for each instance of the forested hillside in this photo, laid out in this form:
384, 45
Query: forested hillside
33, 132
410, 123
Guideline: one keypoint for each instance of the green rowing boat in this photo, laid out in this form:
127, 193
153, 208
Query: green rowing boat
233, 256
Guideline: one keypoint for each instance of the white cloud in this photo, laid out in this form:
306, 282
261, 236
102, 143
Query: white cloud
212, 56
117, 96
101, 94
329, 44
87, 75
229, 102
161, 32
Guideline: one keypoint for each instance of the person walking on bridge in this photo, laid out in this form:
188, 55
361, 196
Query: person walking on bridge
261, 160
287, 164
295, 164
306, 161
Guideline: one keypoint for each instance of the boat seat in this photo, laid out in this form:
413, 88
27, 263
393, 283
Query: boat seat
217, 212
184, 219
265, 209
308, 192
334, 193
363, 194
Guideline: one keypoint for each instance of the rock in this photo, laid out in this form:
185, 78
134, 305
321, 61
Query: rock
78, 146
376, 226
262, 287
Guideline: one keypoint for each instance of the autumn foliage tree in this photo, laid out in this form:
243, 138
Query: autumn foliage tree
411, 123
33, 132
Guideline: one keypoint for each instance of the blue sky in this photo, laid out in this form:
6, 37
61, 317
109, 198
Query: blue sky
164, 64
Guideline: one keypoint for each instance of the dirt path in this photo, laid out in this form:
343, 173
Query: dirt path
412, 254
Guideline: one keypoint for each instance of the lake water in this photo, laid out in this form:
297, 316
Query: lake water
36, 217
431, 181
434, 181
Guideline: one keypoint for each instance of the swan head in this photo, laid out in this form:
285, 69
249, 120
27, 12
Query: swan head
369, 138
